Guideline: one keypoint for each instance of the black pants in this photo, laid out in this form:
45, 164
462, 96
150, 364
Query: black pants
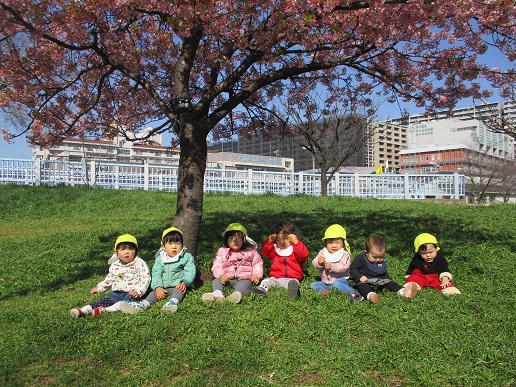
365, 288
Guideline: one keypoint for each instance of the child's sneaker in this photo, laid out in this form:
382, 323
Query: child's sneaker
170, 306
259, 292
210, 297
356, 297
131, 307
375, 298
293, 290
234, 297
76, 313
98, 311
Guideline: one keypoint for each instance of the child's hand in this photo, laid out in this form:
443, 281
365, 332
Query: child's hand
327, 265
363, 278
445, 282
94, 290
181, 287
255, 280
134, 293
161, 293
272, 238
224, 278
320, 260
292, 238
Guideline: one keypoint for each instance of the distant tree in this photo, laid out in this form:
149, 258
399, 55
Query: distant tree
485, 171
192, 67
331, 130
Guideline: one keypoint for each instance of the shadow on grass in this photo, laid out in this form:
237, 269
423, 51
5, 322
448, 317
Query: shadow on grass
398, 227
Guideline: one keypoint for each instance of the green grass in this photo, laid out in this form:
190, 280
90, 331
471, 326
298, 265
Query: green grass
54, 246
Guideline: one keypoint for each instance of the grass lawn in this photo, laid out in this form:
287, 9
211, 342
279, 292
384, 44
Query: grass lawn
54, 246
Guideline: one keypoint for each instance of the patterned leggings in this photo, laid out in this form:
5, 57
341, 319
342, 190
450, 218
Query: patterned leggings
112, 298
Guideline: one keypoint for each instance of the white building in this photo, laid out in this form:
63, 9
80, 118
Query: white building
121, 151
472, 133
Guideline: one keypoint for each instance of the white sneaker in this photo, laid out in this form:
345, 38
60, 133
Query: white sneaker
210, 297
234, 297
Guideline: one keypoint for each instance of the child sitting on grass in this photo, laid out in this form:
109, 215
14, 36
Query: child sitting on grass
128, 279
369, 272
333, 264
288, 254
238, 265
429, 268
173, 272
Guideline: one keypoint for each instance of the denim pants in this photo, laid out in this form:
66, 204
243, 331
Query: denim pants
341, 284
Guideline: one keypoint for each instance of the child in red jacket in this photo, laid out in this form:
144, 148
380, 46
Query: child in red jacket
288, 254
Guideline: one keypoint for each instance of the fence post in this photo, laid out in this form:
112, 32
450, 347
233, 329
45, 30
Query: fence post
456, 185
37, 171
300, 182
93, 175
249, 181
406, 187
145, 175
337, 184
357, 185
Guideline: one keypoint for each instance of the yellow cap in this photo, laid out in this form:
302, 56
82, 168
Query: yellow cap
126, 238
335, 231
169, 230
235, 227
423, 239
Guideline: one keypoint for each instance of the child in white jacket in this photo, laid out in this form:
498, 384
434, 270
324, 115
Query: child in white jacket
238, 265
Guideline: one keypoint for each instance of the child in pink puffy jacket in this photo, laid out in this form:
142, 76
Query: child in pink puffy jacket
238, 265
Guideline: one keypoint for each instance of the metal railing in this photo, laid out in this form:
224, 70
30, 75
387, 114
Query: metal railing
164, 178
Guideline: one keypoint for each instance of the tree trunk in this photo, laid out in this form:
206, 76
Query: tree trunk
324, 181
190, 184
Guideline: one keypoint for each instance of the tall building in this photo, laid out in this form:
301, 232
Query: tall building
496, 110
383, 147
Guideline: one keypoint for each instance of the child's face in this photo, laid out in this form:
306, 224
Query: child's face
282, 241
236, 241
126, 253
430, 253
375, 255
173, 248
334, 244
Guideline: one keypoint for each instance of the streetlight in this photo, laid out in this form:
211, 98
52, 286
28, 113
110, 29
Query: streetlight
313, 158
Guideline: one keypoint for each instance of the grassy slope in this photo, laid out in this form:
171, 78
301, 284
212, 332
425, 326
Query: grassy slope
54, 243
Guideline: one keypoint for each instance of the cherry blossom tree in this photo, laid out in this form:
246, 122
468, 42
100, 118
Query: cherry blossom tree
195, 67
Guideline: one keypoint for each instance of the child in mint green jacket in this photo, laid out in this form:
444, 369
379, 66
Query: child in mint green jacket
172, 274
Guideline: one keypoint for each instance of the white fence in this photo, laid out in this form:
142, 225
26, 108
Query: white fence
164, 178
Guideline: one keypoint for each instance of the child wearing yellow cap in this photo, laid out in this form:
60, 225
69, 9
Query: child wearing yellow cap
333, 263
428, 268
172, 274
128, 279
236, 265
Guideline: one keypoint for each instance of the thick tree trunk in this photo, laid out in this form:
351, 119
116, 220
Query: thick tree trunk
324, 181
190, 185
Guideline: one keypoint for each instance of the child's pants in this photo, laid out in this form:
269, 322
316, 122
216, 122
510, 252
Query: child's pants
365, 288
426, 280
243, 286
270, 282
341, 284
172, 293
112, 298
